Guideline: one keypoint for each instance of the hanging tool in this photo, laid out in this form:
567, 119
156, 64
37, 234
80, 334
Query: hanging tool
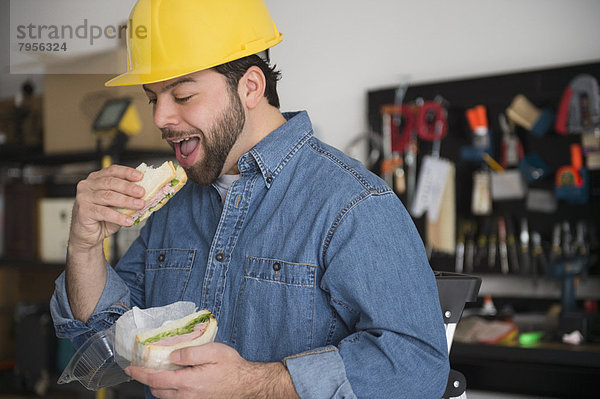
430, 125
477, 117
481, 135
403, 125
502, 245
571, 183
541, 200
432, 121
481, 197
496, 167
512, 245
482, 242
522, 112
579, 108
583, 241
556, 252
569, 175
512, 149
492, 245
508, 185
583, 245
568, 249
437, 176
388, 163
397, 125
539, 262
524, 239
533, 168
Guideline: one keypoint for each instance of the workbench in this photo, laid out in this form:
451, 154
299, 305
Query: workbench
546, 369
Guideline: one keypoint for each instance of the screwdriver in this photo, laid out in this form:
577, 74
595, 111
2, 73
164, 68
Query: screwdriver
502, 245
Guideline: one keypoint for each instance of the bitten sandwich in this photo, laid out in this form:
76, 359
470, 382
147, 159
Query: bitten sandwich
160, 184
153, 348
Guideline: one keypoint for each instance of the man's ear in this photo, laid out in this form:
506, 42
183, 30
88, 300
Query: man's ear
252, 87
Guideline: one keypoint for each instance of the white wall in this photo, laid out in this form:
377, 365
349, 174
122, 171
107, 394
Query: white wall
334, 51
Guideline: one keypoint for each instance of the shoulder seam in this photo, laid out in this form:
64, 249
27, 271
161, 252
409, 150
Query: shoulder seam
360, 178
344, 211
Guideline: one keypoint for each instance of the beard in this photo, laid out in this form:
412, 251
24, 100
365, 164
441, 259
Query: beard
216, 140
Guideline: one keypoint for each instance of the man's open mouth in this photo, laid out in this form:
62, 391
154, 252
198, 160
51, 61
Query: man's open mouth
186, 149
186, 145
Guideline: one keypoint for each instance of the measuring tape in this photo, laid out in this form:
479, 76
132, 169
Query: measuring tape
568, 176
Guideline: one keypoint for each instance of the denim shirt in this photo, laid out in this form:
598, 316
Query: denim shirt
311, 259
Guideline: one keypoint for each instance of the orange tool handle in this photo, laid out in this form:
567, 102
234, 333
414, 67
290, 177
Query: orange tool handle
477, 118
481, 115
576, 158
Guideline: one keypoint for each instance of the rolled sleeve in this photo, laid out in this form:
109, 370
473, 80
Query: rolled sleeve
319, 374
115, 301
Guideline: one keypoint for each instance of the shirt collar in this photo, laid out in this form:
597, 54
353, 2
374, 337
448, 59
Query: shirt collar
275, 150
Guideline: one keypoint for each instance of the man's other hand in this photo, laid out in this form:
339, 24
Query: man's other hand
216, 370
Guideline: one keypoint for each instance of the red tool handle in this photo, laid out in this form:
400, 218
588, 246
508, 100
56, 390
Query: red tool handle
403, 122
438, 128
562, 115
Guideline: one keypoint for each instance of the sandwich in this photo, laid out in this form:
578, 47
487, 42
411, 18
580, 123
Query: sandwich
153, 348
160, 184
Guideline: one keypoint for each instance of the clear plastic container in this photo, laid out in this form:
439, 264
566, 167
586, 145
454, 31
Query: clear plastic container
100, 361
95, 364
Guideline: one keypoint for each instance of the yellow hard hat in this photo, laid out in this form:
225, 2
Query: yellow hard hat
171, 38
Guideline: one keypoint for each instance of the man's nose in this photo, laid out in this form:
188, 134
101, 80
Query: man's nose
165, 114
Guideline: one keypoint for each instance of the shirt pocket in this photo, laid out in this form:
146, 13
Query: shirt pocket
167, 275
274, 311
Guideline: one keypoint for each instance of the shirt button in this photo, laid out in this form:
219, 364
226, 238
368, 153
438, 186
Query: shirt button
277, 266
220, 256
269, 179
161, 258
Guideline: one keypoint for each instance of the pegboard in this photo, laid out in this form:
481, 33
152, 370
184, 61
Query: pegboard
544, 88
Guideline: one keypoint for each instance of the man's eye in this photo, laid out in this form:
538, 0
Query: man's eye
152, 101
182, 99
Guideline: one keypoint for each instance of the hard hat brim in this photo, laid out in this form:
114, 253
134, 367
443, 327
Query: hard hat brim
131, 78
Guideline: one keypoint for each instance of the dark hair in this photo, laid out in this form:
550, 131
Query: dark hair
234, 70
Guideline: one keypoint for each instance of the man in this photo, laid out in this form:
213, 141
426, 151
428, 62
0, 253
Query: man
310, 263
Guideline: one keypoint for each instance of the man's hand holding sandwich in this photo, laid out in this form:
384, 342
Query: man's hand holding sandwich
214, 370
93, 220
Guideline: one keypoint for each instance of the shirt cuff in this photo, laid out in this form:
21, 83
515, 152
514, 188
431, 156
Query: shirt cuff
319, 374
115, 301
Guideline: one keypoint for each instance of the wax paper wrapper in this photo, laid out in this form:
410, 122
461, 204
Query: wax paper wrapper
100, 361
140, 320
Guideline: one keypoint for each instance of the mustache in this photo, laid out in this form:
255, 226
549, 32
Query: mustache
171, 134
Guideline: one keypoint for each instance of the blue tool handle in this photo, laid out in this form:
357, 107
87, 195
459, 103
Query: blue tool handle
568, 294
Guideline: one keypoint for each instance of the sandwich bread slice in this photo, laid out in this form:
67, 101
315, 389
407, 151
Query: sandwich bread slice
153, 348
160, 184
